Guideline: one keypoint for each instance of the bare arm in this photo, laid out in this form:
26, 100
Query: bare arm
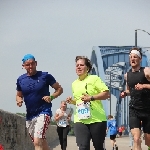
57, 117
19, 98
102, 96
69, 117
58, 90
147, 75
127, 87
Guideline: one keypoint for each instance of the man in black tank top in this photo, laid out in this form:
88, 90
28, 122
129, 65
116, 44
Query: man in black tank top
138, 88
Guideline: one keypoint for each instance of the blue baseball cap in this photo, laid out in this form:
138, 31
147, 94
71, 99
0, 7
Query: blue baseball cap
27, 57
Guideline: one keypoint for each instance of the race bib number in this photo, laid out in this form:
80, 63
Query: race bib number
83, 111
62, 123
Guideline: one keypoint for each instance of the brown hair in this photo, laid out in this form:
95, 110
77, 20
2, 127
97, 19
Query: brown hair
110, 116
87, 61
138, 49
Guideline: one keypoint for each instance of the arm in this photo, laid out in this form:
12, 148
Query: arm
102, 96
69, 117
19, 98
107, 127
55, 85
127, 87
19, 95
103, 91
58, 90
57, 117
147, 75
107, 130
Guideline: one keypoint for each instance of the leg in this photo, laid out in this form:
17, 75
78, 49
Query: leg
146, 130
41, 126
113, 141
83, 136
131, 140
135, 126
38, 143
60, 135
98, 133
65, 133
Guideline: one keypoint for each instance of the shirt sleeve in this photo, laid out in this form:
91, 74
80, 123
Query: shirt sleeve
100, 85
18, 88
50, 79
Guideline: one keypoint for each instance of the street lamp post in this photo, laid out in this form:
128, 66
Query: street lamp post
136, 35
110, 91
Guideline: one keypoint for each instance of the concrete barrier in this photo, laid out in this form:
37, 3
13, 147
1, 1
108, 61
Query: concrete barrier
14, 135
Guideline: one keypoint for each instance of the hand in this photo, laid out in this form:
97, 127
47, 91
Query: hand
68, 118
47, 99
122, 95
69, 100
85, 97
19, 102
61, 115
139, 86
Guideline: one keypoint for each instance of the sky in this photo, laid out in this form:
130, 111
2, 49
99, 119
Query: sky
55, 32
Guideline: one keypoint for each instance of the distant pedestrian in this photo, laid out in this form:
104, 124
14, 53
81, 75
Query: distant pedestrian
63, 117
131, 140
112, 127
120, 130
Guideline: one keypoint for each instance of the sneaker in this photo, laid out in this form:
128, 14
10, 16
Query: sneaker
116, 147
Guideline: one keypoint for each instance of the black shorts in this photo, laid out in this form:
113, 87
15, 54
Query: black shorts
135, 121
113, 137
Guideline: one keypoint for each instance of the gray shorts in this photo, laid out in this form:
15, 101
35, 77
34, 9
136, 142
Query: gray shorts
37, 126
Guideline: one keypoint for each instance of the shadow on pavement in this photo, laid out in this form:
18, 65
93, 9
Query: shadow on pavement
54, 144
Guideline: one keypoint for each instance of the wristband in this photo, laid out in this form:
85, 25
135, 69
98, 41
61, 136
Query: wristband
52, 97
125, 93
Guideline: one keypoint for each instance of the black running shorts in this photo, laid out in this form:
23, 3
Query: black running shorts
112, 137
135, 119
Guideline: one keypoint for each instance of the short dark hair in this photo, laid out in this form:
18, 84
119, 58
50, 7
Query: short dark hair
87, 61
110, 116
136, 48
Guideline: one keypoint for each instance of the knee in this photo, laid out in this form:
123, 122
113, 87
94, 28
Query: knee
38, 142
136, 139
147, 140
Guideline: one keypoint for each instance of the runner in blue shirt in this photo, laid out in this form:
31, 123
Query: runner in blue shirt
33, 89
112, 127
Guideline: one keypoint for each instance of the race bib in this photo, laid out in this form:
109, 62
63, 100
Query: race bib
62, 123
83, 110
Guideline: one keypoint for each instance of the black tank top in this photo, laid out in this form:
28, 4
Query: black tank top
140, 99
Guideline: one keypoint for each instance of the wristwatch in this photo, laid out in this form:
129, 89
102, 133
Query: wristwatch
92, 98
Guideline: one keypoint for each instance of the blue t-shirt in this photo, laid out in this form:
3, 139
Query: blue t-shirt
112, 125
34, 88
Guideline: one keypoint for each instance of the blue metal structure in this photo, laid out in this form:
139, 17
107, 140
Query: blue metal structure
110, 63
